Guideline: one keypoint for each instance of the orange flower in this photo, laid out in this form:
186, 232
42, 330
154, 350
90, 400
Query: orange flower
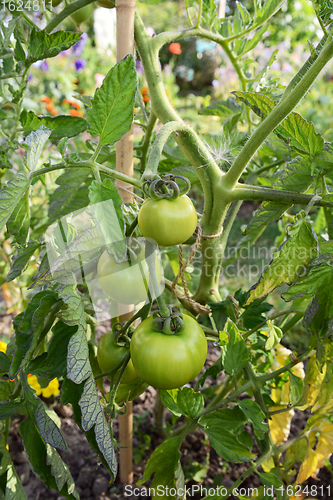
46, 99
175, 48
75, 104
65, 101
144, 90
74, 112
50, 107
54, 112
145, 98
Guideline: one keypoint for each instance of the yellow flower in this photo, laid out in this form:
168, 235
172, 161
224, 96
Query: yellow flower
51, 390
3, 346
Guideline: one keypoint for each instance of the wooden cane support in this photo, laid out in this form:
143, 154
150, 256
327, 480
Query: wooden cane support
124, 164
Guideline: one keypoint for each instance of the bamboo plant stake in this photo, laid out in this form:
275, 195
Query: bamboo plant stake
124, 164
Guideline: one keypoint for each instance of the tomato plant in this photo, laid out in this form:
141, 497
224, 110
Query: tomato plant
168, 361
61, 207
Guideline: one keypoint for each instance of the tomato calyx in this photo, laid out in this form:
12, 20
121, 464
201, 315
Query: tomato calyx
119, 335
166, 187
171, 325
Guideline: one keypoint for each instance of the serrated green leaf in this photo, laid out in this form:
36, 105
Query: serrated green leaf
111, 114
295, 388
70, 185
294, 129
78, 366
227, 445
253, 414
32, 325
274, 336
43, 45
288, 262
61, 126
189, 402
169, 400
19, 221
21, 259
221, 311
4, 363
71, 393
163, 464
106, 205
235, 354
230, 419
10, 195
45, 461
34, 144
270, 479
223, 109
318, 283
9, 408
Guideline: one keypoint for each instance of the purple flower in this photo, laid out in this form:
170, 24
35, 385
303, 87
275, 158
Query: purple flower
80, 64
79, 46
138, 66
30, 77
44, 66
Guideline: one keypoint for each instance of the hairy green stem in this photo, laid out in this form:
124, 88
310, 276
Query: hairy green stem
145, 146
260, 193
289, 366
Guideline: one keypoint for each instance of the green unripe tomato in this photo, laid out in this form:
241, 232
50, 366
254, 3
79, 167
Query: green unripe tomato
83, 14
108, 4
168, 222
126, 282
168, 361
110, 354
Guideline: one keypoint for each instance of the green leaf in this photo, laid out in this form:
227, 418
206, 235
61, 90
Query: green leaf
223, 310
71, 393
163, 464
4, 363
227, 445
190, 403
270, 479
10, 195
9, 408
235, 354
169, 400
60, 125
296, 176
289, 261
34, 145
106, 206
32, 325
223, 109
48, 429
78, 366
295, 389
318, 283
230, 419
20, 260
294, 129
253, 314
254, 415
275, 335
70, 191
46, 462
111, 114
19, 221
19, 51
43, 45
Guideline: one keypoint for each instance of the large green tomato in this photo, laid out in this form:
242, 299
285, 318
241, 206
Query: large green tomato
110, 354
126, 282
168, 222
168, 361
83, 14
